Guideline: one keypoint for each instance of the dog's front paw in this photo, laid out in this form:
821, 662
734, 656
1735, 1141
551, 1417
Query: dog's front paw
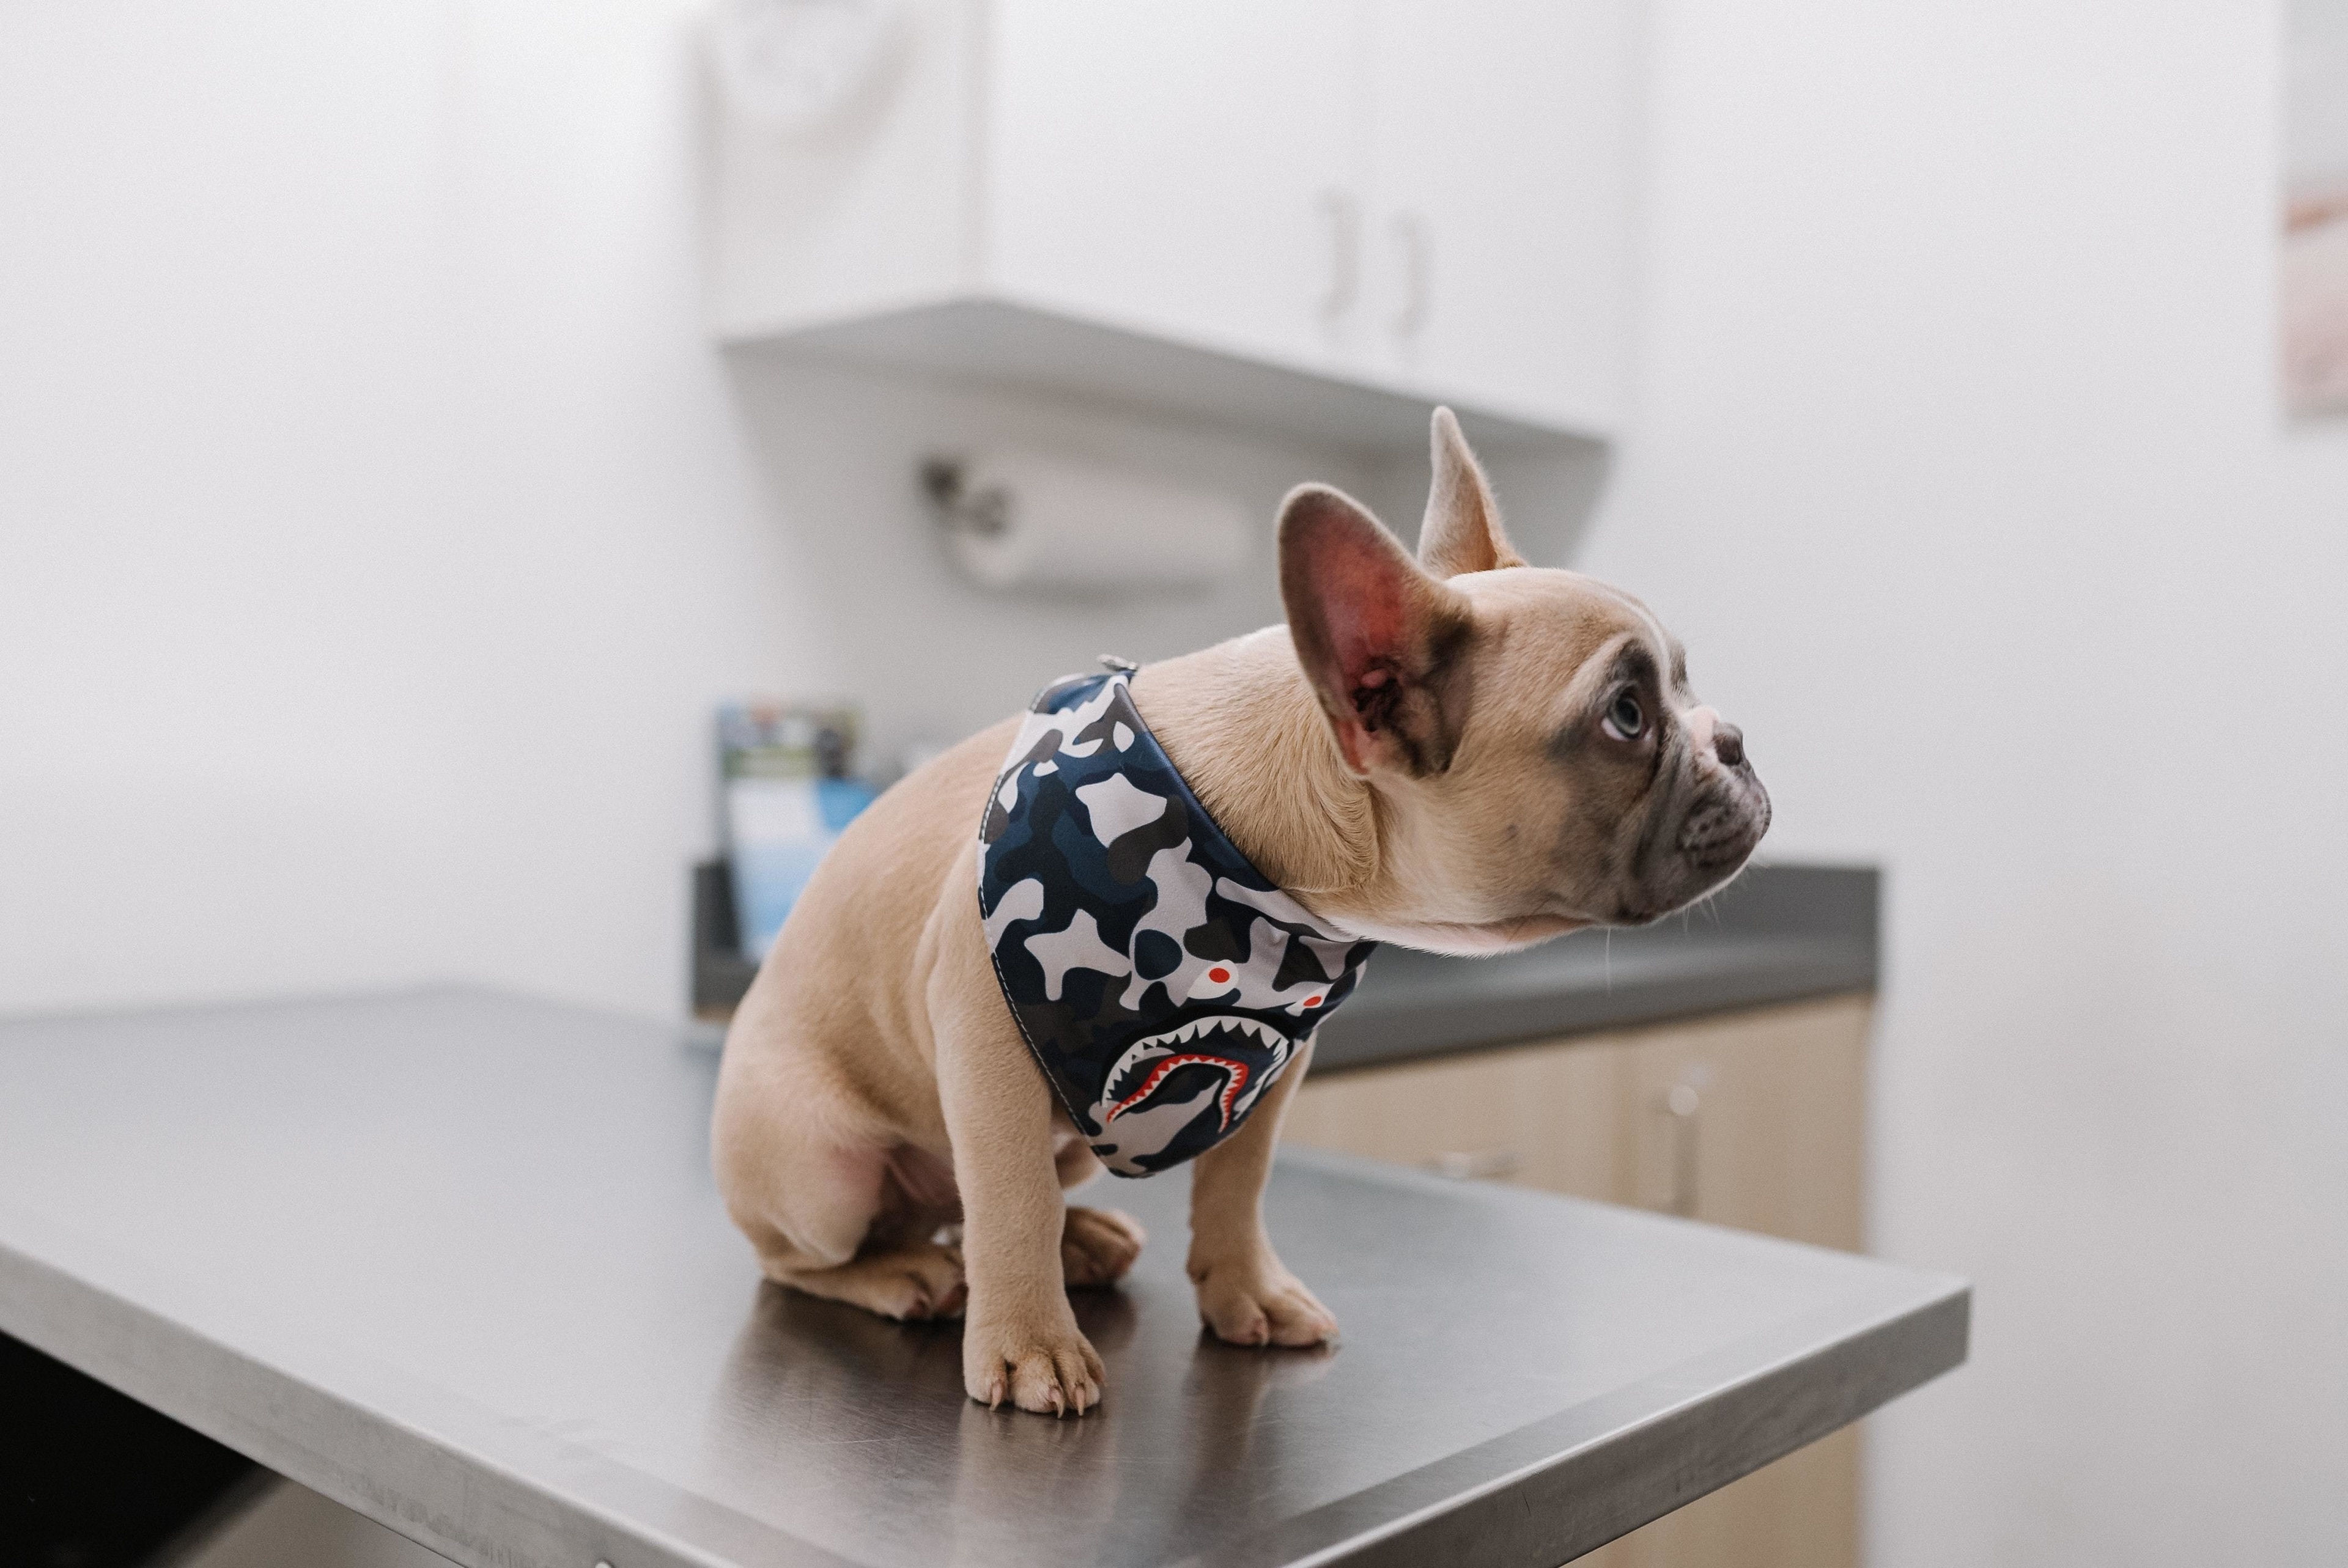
1098, 1245
1044, 1363
1256, 1301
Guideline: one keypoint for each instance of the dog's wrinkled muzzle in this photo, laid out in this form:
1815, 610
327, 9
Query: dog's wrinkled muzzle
1711, 829
1725, 824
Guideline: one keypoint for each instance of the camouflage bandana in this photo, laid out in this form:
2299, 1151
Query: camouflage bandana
1161, 982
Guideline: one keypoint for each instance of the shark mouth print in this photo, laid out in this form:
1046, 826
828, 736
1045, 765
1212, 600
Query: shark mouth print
1143, 1070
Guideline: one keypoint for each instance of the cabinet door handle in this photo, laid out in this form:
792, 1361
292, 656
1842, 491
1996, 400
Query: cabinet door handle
1484, 1166
1681, 1107
1342, 211
1418, 248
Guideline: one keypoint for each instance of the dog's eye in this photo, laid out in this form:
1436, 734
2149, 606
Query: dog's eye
1624, 720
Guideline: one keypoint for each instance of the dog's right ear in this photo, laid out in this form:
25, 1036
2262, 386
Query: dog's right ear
1384, 643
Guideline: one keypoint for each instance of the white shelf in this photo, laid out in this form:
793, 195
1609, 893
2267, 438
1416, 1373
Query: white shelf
1003, 342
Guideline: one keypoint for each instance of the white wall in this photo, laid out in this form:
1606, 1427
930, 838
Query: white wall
377, 528
1959, 468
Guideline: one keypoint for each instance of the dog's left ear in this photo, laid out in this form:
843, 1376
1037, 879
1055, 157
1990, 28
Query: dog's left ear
1383, 644
1462, 531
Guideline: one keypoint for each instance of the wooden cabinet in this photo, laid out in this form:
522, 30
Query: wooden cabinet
1322, 214
1753, 1119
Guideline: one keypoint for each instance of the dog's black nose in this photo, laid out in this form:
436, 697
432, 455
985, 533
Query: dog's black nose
1727, 744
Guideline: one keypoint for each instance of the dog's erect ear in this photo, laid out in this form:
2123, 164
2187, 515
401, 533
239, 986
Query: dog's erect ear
1383, 644
1462, 530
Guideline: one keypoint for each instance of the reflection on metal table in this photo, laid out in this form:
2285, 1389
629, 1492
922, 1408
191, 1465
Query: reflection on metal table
454, 1259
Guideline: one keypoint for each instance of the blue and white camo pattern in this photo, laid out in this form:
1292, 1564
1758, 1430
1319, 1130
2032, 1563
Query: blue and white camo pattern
1161, 982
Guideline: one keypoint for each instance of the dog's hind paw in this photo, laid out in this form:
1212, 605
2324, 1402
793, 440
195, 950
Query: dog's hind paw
910, 1284
925, 1282
1098, 1245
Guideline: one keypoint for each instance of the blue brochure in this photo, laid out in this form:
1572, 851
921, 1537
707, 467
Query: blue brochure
788, 797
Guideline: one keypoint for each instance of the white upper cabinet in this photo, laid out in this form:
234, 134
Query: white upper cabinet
1175, 168
1318, 215
1498, 180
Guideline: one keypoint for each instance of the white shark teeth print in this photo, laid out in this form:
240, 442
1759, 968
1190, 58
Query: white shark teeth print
1200, 1028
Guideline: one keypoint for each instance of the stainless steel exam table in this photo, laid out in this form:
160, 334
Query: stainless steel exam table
454, 1259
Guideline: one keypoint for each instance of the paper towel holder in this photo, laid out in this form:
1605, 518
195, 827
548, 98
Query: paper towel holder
984, 512
1034, 522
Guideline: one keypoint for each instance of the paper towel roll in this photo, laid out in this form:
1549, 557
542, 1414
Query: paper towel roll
1017, 520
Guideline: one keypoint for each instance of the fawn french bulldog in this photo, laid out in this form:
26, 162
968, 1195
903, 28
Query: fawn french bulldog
1102, 933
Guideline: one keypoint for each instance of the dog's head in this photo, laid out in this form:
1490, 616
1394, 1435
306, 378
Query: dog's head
1538, 760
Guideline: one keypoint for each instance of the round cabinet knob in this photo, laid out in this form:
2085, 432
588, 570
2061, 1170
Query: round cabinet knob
791, 65
1477, 1165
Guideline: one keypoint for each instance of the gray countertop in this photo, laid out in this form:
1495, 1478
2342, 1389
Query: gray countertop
1778, 933
455, 1260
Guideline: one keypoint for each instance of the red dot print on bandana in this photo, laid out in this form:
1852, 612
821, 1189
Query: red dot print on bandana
1220, 975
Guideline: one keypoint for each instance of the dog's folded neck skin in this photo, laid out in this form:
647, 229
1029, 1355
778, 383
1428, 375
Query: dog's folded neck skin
1278, 787
1277, 784
1323, 780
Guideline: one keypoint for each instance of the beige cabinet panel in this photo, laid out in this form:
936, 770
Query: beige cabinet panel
1753, 1119
1540, 1116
